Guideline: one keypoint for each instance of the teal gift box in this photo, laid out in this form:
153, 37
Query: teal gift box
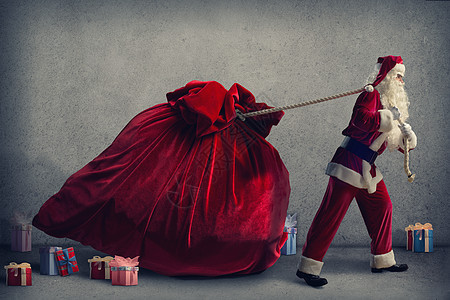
423, 238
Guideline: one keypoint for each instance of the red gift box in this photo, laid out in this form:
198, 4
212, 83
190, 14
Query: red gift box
19, 275
99, 267
409, 237
67, 262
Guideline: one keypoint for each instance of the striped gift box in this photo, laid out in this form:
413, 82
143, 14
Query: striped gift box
67, 262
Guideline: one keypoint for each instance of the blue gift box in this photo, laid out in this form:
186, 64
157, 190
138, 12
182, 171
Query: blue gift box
48, 260
423, 238
290, 247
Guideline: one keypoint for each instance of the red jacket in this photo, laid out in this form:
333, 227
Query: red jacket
369, 124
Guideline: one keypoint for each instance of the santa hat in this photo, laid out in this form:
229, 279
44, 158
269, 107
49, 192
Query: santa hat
384, 66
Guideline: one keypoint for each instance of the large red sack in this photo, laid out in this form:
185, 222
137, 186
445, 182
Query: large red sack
186, 186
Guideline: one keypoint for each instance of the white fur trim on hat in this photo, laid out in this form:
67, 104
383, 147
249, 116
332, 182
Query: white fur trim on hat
310, 266
398, 69
382, 260
386, 120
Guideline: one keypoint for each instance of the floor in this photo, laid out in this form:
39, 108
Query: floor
346, 269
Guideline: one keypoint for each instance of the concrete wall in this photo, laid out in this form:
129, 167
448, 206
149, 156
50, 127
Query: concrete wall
73, 74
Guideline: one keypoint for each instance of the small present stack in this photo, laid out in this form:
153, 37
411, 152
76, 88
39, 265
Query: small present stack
419, 238
124, 271
290, 227
18, 275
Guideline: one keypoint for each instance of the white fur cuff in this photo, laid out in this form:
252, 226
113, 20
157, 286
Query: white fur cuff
386, 120
383, 260
310, 266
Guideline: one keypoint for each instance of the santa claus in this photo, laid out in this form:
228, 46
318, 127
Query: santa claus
374, 126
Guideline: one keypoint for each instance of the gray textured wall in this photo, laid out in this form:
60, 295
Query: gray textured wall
73, 74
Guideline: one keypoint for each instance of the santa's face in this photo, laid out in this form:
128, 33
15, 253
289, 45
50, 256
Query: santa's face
392, 91
399, 78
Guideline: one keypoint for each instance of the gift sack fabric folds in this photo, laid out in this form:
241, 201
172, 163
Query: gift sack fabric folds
186, 186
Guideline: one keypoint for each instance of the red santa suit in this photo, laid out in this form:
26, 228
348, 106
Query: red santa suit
353, 174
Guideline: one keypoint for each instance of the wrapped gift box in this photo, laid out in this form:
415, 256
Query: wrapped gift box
48, 260
19, 275
409, 237
124, 271
21, 238
66, 261
423, 238
99, 267
290, 246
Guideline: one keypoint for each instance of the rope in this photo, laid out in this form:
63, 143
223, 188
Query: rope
368, 88
275, 109
408, 172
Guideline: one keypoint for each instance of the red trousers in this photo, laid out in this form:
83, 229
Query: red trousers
376, 209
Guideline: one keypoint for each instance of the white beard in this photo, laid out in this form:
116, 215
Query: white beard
392, 94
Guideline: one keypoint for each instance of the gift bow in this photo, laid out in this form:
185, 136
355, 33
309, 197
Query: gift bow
291, 221
21, 218
420, 227
15, 266
120, 261
98, 260
410, 227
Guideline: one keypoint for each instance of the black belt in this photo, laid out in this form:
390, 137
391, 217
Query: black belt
359, 149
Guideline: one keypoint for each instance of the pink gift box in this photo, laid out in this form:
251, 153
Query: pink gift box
21, 238
124, 271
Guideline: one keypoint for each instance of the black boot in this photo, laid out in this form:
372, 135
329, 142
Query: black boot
312, 280
394, 268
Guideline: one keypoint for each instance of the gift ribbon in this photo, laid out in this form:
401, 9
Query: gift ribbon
426, 228
22, 227
23, 271
292, 230
124, 268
